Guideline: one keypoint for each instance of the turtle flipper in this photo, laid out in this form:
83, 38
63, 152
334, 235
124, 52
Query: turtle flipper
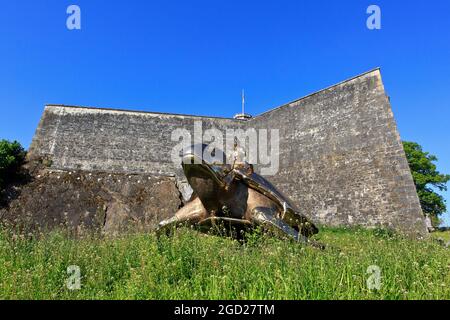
267, 219
189, 215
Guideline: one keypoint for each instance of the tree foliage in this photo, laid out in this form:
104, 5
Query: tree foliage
427, 179
12, 156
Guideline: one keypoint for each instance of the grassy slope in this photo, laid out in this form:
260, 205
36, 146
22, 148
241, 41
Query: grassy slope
445, 235
193, 266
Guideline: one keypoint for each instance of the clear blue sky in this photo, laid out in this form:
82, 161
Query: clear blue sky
196, 56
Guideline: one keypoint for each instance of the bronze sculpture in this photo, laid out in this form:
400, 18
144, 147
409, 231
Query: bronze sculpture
236, 197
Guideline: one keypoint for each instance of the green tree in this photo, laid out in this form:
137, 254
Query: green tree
427, 180
12, 156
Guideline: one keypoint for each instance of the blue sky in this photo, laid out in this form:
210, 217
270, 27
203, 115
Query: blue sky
196, 56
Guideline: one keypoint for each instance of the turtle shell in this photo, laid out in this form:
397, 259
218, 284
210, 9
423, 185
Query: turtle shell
289, 213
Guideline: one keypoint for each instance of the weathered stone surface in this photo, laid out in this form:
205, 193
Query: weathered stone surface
341, 158
106, 202
114, 140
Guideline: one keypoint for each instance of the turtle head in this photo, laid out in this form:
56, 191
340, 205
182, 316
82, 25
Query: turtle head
205, 169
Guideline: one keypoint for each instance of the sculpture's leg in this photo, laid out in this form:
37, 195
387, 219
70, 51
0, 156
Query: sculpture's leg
189, 215
266, 218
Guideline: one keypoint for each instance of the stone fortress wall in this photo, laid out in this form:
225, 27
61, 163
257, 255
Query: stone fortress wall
341, 158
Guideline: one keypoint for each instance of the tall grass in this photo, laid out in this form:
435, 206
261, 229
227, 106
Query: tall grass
194, 266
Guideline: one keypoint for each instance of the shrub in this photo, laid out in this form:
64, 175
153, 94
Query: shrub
12, 156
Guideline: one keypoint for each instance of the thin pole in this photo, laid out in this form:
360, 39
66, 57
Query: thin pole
243, 102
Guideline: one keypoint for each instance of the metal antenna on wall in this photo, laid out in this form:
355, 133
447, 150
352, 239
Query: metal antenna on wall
243, 116
243, 101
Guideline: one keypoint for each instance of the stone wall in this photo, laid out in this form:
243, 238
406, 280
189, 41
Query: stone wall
91, 139
341, 159
89, 201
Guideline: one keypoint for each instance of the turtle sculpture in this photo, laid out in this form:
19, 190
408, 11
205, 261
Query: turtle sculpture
235, 198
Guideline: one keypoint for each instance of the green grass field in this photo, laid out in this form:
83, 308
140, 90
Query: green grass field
444, 235
193, 266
